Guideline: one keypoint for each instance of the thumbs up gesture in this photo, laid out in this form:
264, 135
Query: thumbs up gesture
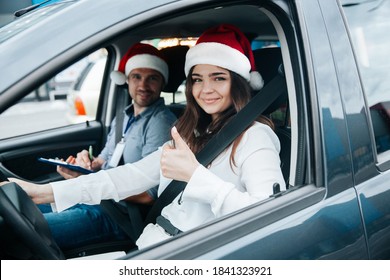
178, 162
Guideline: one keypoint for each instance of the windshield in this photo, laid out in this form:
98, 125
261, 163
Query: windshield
29, 19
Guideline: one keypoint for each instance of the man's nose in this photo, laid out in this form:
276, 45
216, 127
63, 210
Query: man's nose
143, 83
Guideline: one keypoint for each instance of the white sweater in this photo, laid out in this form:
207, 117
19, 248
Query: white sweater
210, 193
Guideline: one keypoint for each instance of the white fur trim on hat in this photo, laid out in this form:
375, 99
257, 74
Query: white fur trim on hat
147, 61
118, 77
256, 80
219, 55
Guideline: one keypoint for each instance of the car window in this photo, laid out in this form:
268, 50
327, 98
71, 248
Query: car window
178, 96
69, 97
369, 24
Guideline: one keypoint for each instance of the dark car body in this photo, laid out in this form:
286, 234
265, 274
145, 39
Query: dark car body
337, 205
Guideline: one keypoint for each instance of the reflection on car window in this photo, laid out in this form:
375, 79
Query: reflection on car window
369, 24
58, 102
29, 19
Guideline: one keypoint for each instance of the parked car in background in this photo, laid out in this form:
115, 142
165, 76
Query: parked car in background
333, 121
83, 96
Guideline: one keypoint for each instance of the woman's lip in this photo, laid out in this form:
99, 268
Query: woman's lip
210, 100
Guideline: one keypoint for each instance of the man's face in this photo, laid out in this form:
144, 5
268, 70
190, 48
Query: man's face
145, 86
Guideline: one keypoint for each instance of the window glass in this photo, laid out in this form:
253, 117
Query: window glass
70, 97
369, 23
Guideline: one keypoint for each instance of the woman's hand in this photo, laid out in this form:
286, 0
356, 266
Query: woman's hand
178, 162
38, 193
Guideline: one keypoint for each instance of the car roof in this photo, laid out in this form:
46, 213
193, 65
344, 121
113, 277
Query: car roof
95, 23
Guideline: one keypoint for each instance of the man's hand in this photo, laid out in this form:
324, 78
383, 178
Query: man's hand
178, 162
142, 198
82, 159
67, 173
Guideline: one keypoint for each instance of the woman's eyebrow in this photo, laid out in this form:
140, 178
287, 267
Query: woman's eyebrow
217, 74
211, 74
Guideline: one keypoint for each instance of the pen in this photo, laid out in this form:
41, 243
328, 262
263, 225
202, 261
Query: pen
90, 151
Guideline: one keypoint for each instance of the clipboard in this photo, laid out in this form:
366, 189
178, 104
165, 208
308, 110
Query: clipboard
65, 164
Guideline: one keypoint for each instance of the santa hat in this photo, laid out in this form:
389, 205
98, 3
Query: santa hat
140, 56
227, 47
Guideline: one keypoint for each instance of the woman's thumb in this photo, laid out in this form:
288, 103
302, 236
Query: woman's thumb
179, 142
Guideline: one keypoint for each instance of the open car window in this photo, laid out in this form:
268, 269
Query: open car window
68, 98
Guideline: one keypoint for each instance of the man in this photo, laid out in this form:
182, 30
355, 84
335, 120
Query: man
146, 125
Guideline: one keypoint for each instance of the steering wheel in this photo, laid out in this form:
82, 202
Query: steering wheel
24, 232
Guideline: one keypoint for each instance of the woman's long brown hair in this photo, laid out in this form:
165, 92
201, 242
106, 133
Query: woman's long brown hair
197, 127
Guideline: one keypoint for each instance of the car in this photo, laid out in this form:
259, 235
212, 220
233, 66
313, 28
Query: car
83, 96
332, 119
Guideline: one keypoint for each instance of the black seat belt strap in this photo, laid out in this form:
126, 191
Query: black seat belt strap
219, 142
119, 116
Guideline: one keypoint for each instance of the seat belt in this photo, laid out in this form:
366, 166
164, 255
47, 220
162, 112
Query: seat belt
219, 142
125, 214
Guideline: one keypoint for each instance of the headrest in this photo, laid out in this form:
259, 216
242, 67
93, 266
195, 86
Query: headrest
269, 63
176, 58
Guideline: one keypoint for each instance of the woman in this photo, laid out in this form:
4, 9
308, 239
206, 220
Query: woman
220, 73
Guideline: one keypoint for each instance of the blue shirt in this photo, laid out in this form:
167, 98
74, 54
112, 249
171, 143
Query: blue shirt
146, 133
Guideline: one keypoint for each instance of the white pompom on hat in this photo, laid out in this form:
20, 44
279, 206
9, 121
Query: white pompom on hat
140, 56
227, 47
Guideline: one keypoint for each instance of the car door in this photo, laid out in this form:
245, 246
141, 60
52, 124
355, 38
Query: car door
319, 216
368, 24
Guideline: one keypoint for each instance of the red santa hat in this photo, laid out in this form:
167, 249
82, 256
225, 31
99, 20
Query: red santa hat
227, 47
140, 56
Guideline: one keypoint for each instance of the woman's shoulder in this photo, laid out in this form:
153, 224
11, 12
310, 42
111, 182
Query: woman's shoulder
260, 128
260, 135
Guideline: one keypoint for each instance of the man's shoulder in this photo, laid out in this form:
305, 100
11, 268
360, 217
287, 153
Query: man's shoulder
163, 110
165, 113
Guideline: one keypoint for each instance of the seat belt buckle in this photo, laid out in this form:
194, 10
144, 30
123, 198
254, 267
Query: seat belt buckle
167, 226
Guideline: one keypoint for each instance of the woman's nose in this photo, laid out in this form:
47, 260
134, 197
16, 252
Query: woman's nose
206, 87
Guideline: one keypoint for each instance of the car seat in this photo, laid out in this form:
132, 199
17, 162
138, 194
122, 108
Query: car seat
268, 62
175, 56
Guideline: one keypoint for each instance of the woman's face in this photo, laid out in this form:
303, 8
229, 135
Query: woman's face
211, 88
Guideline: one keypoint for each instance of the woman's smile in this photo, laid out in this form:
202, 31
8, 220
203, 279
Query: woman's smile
211, 100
